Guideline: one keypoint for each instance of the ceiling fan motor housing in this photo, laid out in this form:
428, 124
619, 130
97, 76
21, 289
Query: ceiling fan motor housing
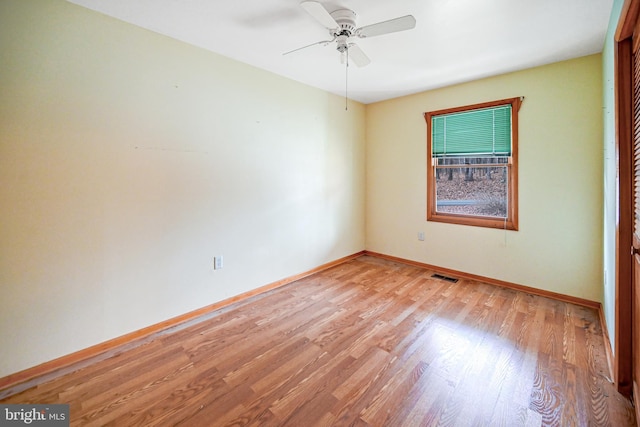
342, 27
347, 20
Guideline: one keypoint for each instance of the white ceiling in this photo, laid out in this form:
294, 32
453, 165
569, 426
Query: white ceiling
454, 40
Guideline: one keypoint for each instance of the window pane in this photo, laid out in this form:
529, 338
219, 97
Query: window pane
473, 190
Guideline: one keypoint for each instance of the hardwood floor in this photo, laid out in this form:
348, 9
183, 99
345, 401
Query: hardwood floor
366, 343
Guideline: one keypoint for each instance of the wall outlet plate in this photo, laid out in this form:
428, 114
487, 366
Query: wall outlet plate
217, 262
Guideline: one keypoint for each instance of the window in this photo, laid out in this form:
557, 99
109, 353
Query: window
472, 166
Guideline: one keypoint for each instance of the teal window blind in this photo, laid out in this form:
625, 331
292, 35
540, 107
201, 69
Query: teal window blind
481, 132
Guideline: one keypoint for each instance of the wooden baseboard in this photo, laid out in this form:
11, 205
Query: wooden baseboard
30, 377
462, 275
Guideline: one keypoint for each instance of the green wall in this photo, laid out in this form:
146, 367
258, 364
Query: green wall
610, 170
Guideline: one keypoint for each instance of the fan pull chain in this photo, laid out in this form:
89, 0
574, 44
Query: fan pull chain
346, 82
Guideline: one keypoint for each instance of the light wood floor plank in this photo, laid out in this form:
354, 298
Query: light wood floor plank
370, 342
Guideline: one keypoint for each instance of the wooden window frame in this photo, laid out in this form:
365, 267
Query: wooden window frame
511, 222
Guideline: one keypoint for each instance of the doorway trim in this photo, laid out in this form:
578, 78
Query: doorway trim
624, 195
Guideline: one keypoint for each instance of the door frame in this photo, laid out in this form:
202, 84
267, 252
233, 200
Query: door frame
623, 360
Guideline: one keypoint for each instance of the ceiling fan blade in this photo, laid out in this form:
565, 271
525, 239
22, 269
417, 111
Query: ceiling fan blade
391, 26
358, 56
320, 14
324, 42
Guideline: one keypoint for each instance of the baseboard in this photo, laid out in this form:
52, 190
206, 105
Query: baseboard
462, 275
39, 374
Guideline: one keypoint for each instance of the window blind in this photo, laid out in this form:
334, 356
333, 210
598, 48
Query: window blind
484, 131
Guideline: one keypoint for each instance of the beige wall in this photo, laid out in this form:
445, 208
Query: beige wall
559, 244
128, 160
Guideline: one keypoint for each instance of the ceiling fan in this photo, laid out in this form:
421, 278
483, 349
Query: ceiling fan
342, 28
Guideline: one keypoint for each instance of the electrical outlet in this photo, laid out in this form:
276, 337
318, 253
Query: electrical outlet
421, 235
217, 262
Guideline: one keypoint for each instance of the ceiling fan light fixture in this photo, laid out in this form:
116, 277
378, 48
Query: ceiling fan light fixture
342, 42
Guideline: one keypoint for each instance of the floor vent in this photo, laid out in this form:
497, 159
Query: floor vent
448, 279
